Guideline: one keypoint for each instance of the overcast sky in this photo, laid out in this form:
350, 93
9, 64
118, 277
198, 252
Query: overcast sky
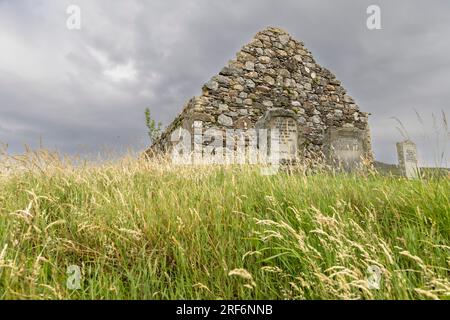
85, 90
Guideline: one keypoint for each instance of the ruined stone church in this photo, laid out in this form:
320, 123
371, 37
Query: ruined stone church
274, 82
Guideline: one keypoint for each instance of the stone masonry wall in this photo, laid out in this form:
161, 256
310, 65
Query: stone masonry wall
272, 71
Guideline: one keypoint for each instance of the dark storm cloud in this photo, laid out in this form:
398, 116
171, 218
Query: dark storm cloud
79, 90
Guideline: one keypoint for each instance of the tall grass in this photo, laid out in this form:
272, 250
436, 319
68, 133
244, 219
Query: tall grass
149, 230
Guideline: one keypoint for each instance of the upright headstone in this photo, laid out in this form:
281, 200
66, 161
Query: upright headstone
407, 159
346, 148
284, 121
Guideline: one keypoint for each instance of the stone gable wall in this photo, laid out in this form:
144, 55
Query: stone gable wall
272, 71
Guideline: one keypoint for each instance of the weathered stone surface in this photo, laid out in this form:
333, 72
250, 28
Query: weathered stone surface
252, 75
284, 73
223, 107
243, 112
222, 80
248, 102
250, 66
243, 95
250, 84
346, 148
407, 159
264, 59
275, 71
230, 71
338, 113
284, 39
204, 117
225, 120
269, 80
315, 119
243, 123
212, 85
348, 99
268, 103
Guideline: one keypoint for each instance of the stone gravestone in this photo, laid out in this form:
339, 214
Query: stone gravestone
407, 159
287, 139
285, 122
346, 148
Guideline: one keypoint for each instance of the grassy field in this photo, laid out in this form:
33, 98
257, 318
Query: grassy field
146, 230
